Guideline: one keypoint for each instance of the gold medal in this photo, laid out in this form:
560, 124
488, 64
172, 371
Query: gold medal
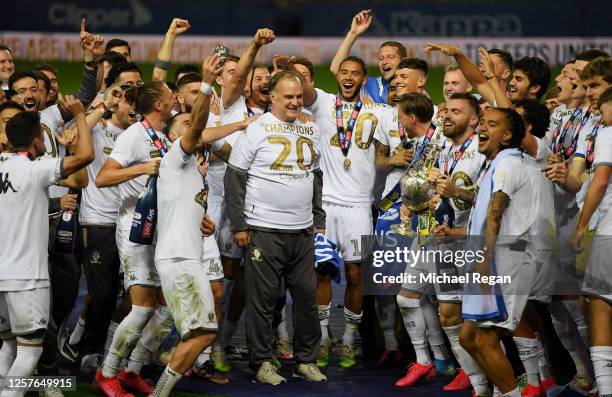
584, 177
347, 163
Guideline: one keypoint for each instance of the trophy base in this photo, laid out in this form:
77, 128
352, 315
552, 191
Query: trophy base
403, 229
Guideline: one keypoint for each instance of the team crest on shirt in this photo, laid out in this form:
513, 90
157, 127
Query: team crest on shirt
95, 258
256, 257
107, 150
154, 154
211, 317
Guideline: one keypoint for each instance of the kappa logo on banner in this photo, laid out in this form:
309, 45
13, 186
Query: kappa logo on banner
5, 184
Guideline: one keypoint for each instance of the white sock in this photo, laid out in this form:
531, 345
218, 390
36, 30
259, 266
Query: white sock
112, 327
528, 353
477, 378
351, 323
229, 329
385, 309
25, 361
575, 312
513, 393
156, 330
434, 330
545, 368
125, 338
166, 382
77, 332
281, 330
602, 363
203, 357
8, 352
324, 313
415, 326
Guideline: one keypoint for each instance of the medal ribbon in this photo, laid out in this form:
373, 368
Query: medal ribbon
421, 149
345, 135
558, 138
159, 145
458, 155
590, 152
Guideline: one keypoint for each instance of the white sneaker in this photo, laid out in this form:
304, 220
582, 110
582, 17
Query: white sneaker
309, 372
267, 374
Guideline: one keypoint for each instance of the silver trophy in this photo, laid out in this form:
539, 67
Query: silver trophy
416, 189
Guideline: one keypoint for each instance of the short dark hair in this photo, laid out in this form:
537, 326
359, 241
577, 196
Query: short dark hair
414, 63
357, 60
41, 76
119, 68
112, 43
400, 47
22, 129
21, 74
11, 105
417, 104
603, 98
130, 95
171, 122
504, 55
537, 71
306, 62
185, 68
601, 66
591, 54
171, 85
471, 100
10, 93
113, 57
147, 95
188, 79
5, 48
516, 125
46, 68
283, 75
536, 114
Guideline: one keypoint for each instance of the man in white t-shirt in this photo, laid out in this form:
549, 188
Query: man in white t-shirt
24, 280
499, 226
135, 157
349, 177
597, 276
180, 247
273, 188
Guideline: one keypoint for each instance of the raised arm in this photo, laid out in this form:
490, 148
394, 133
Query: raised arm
496, 85
177, 27
84, 153
212, 134
469, 69
236, 85
199, 113
361, 23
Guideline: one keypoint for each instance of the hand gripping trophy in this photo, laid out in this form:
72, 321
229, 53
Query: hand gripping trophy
416, 190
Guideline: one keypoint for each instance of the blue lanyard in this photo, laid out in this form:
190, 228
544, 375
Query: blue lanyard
159, 145
458, 155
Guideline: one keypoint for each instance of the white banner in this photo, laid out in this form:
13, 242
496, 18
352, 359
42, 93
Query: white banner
320, 50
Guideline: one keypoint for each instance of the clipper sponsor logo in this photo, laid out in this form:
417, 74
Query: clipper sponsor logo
5, 184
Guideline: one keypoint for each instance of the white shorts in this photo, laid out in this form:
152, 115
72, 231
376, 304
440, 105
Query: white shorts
597, 280
137, 262
544, 282
211, 259
520, 266
345, 225
227, 246
23, 312
188, 295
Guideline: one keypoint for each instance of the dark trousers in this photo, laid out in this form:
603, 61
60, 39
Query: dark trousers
101, 267
64, 272
272, 257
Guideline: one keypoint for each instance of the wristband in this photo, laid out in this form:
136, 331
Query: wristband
164, 65
205, 88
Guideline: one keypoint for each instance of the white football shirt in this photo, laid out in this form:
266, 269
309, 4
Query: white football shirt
581, 151
133, 147
24, 222
216, 168
51, 120
353, 186
464, 174
238, 111
279, 158
180, 205
99, 206
603, 156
